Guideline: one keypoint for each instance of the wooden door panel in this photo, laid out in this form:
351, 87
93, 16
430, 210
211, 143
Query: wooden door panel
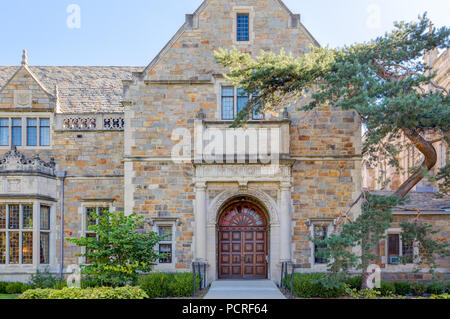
242, 243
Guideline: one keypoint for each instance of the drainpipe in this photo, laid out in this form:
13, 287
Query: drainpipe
61, 175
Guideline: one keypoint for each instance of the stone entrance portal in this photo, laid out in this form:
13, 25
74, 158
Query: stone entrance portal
242, 237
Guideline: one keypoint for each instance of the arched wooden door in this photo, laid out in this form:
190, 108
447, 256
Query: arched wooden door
243, 242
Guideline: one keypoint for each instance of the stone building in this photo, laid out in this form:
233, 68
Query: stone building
156, 141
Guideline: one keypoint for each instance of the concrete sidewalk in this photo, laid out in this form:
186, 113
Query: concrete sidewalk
244, 289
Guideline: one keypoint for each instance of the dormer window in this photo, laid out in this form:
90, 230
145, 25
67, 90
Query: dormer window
243, 27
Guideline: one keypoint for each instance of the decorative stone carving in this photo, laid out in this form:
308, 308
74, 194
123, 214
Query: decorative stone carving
22, 98
216, 204
250, 172
79, 123
15, 161
90, 122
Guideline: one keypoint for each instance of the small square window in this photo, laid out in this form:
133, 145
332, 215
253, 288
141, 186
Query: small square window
243, 27
166, 232
165, 249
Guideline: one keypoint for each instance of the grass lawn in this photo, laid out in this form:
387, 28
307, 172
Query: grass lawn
2, 296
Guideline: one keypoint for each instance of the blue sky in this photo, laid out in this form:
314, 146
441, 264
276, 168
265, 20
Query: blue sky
132, 32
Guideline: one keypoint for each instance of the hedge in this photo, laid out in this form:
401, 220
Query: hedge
128, 292
309, 285
160, 285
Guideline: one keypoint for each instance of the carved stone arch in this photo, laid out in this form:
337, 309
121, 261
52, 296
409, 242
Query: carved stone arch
263, 200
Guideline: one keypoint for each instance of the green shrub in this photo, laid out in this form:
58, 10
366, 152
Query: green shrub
437, 288
387, 288
16, 288
402, 288
46, 280
90, 282
313, 285
354, 282
159, 285
418, 288
443, 296
3, 285
128, 292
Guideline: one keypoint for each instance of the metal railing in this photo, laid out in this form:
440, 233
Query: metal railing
199, 267
285, 276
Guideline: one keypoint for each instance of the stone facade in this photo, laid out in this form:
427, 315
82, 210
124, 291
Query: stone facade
121, 157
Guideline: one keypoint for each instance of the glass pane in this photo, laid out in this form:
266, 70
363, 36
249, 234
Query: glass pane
14, 216
90, 218
227, 108
165, 231
45, 218
165, 249
242, 99
320, 233
27, 248
408, 251
17, 132
2, 216
44, 248
228, 91
44, 132
13, 247
242, 27
31, 132
2, 247
27, 220
4, 132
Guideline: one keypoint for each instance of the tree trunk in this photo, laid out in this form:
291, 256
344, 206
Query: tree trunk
430, 160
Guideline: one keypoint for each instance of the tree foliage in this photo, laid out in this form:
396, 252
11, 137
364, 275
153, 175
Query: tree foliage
391, 88
120, 251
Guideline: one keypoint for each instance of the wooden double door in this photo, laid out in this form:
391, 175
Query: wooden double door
243, 243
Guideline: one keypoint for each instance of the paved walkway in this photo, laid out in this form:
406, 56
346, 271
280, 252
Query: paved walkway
243, 289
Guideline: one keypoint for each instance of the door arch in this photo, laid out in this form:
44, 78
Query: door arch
242, 235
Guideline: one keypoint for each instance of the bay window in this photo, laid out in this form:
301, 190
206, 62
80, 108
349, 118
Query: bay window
17, 229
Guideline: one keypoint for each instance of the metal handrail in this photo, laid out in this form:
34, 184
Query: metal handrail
201, 267
284, 275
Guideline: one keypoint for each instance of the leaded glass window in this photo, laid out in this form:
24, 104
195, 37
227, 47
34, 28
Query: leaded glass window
320, 233
166, 250
227, 103
14, 213
27, 248
44, 132
44, 248
2, 247
45, 217
243, 27
31, 132
4, 132
16, 132
27, 216
242, 99
14, 247
408, 252
166, 244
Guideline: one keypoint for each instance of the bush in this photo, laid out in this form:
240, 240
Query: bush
159, 285
46, 280
436, 288
312, 285
418, 288
354, 282
16, 288
89, 293
387, 288
402, 288
3, 285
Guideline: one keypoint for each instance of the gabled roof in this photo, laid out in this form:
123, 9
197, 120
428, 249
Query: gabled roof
81, 89
195, 14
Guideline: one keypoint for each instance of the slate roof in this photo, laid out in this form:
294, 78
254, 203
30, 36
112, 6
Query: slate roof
81, 89
423, 201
